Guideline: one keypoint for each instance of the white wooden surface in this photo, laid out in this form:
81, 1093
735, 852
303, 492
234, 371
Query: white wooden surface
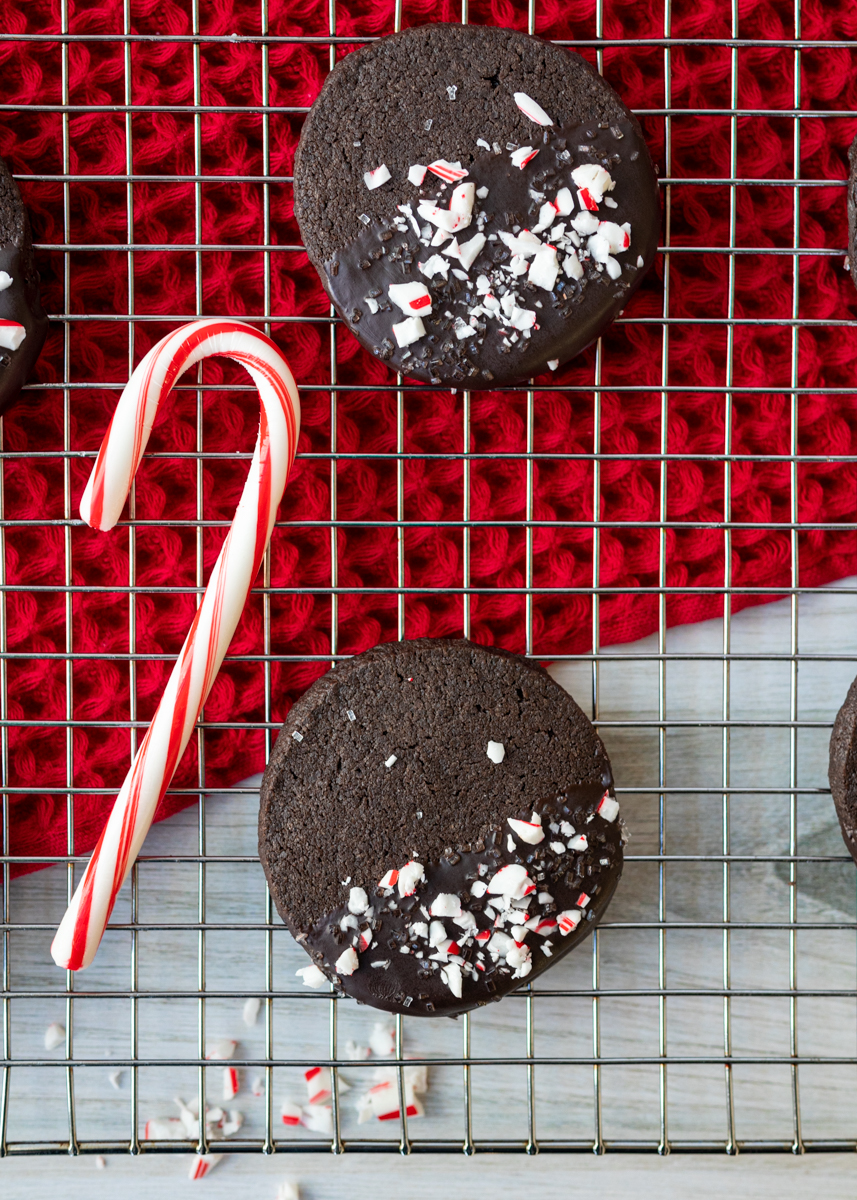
564, 1105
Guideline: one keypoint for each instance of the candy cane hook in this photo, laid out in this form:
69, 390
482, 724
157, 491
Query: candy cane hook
216, 619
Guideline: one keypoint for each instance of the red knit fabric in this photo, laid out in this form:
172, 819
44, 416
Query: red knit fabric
96, 691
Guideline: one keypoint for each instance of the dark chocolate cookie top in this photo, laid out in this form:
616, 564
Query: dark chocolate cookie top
842, 771
479, 203
23, 324
437, 824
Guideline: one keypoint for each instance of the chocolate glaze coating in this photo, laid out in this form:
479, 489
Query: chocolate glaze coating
20, 301
569, 317
332, 811
373, 109
842, 770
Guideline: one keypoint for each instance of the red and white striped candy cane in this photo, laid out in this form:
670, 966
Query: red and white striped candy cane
216, 619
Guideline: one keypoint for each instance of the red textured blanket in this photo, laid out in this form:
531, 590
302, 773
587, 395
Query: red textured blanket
46, 620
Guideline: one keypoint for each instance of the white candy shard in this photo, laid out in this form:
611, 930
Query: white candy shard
591, 178
372, 304
312, 976
288, 1190
608, 808
5, 281
568, 921
318, 1118
250, 1012
469, 251
451, 976
410, 875
478, 888
461, 200
496, 751
522, 318
383, 1040
236, 1120
374, 179
547, 215
291, 1112
436, 265
409, 331
416, 174
449, 222
482, 192
571, 266
392, 760
511, 880
437, 934
354, 1052
100, 1160
553, 363
522, 156
358, 901
115, 1078
524, 243
532, 109
347, 963
389, 879
461, 329
202, 1164
445, 904
410, 297
564, 201
54, 1035
585, 223
544, 268
581, 842
530, 832
222, 1048
164, 1129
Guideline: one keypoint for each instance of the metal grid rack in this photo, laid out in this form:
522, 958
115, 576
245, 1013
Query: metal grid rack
464, 1062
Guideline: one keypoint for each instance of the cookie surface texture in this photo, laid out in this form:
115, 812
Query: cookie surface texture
426, 162
23, 324
437, 825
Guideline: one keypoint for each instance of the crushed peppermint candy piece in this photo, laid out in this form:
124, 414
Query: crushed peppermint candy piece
482, 193
409, 876
373, 306
220, 1049
530, 108
553, 363
389, 880
449, 172
568, 921
445, 904
582, 900
382, 1040
374, 179
416, 174
409, 331
594, 180
202, 1164
115, 1078
585, 223
461, 200
478, 888
318, 1118
581, 842
451, 976
525, 243
436, 265
392, 760
511, 880
564, 202
354, 1052
571, 266
522, 156
54, 1035
358, 901
347, 963
312, 976
230, 1083
446, 221
496, 751
318, 1084
410, 297
640, 261
544, 268
250, 1012
608, 808
528, 831
482, 144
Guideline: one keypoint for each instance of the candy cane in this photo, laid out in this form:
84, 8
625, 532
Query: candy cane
217, 617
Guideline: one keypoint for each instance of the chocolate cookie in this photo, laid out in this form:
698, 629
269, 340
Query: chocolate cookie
437, 825
842, 771
479, 203
23, 324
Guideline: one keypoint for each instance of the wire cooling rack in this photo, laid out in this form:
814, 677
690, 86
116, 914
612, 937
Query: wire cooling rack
557, 1067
